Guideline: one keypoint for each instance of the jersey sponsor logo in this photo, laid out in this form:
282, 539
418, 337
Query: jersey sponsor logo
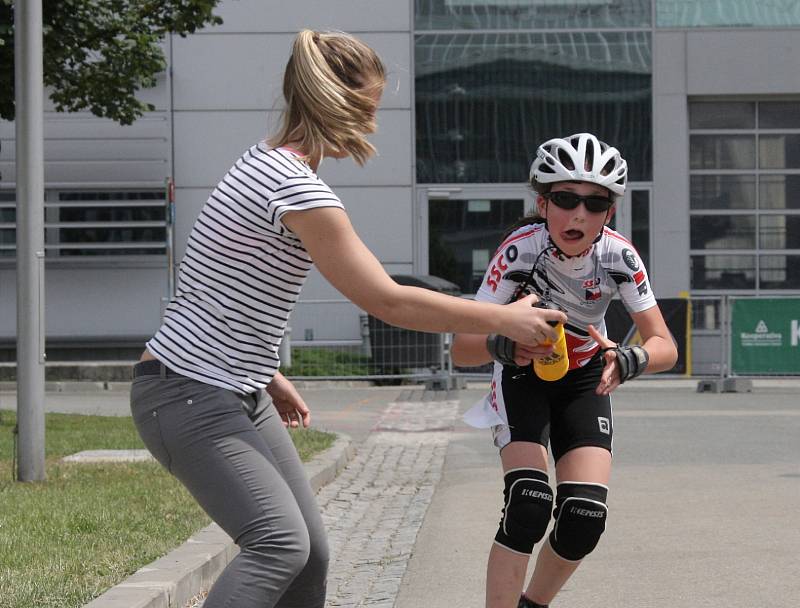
604, 424
641, 285
629, 257
495, 277
591, 289
512, 253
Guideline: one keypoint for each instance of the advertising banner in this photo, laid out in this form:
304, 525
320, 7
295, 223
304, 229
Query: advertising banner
765, 336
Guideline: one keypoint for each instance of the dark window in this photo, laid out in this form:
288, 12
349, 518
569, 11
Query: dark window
744, 156
726, 13
723, 192
485, 101
722, 115
513, 14
640, 224
723, 272
94, 223
464, 234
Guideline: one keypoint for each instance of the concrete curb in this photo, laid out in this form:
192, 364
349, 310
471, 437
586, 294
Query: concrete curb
173, 580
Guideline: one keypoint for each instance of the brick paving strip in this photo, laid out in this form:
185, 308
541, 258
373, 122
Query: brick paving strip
375, 508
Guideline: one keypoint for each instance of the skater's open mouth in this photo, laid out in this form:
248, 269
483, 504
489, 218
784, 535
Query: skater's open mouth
572, 235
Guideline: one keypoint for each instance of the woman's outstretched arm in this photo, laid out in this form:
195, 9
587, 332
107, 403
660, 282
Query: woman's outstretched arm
350, 266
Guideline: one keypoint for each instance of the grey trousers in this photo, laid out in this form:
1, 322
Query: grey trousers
234, 455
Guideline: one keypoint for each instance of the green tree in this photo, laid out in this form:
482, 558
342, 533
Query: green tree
99, 53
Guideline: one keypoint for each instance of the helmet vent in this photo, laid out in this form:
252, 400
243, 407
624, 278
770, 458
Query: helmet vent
565, 160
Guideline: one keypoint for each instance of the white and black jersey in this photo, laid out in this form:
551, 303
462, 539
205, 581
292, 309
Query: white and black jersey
519, 406
582, 285
242, 273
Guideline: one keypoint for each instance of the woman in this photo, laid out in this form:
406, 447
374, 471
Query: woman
195, 394
568, 256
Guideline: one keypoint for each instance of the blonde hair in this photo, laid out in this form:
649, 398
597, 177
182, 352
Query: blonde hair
330, 85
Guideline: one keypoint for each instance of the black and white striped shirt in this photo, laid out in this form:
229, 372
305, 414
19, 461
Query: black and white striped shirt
242, 273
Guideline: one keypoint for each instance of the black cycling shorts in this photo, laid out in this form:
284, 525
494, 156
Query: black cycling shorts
567, 412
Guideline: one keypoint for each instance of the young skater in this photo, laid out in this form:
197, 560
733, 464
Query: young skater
568, 256
196, 395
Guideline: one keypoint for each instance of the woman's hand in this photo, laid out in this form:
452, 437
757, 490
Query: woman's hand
610, 379
290, 405
535, 326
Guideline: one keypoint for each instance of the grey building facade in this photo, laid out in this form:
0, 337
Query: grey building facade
702, 97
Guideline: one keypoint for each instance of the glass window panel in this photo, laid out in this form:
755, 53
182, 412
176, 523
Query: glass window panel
112, 214
726, 13
723, 192
722, 115
723, 272
8, 203
8, 236
112, 235
705, 313
723, 231
640, 224
85, 253
485, 101
722, 152
111, 195
779, 231
779, 151
779, 115
779, 192
528, 14
779, 272
463, 235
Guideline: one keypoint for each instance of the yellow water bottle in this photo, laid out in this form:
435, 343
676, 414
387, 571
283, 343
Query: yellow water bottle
556, 364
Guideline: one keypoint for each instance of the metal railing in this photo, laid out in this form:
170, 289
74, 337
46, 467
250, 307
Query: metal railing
389, 353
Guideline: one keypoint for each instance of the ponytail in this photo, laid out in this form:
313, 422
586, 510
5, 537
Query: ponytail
330, 85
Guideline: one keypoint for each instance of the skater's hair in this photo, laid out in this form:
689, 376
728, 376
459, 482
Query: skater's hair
330, 87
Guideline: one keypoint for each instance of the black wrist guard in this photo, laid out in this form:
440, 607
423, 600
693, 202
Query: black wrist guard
501, 348
632, 361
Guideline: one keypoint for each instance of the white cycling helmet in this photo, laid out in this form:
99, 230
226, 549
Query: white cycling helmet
580, 157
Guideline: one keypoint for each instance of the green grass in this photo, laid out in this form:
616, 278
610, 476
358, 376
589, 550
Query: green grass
326, 362
87, 527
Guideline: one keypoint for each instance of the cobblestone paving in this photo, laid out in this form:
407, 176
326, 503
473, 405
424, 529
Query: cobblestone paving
375, 507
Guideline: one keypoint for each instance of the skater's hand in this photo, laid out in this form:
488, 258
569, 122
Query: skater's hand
290, 405
525, 354
610, 379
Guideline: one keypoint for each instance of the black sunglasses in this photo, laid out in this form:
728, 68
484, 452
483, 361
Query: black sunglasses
570, 200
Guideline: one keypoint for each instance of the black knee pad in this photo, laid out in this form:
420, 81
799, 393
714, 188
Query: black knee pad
526, 511
580, 519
